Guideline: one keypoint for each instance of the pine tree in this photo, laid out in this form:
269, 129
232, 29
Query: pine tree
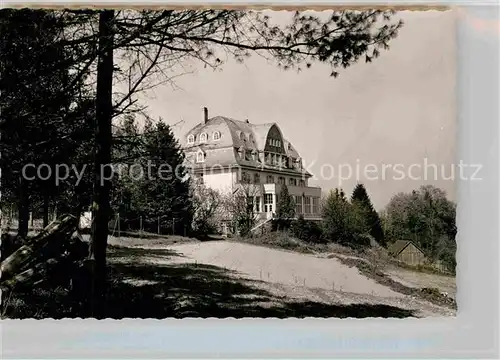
162, 193
41, 119
361, 200
341, 222
285, 209
286, 205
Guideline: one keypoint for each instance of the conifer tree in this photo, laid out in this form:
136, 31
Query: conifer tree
361, 200
341, 222
162, 192
285, 209
43, 118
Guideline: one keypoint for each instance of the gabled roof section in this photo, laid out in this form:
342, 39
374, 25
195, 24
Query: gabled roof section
398, 246
290, 150
261, 131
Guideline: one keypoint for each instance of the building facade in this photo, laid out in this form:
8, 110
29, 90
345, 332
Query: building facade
230, 155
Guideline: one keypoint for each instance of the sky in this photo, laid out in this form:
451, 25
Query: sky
398, 110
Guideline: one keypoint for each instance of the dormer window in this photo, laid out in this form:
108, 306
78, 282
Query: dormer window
203, 138
242, 136
299, 163
216, 135
191, 139
241, 153
200, 156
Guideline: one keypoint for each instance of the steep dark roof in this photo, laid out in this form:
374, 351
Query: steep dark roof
224, 152
398, 246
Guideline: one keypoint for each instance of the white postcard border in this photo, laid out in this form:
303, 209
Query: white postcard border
472, 334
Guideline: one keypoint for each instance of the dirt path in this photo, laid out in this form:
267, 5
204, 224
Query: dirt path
417, 280
282, 267
292, 275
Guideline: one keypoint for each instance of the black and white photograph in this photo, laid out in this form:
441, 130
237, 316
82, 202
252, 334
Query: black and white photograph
228, 163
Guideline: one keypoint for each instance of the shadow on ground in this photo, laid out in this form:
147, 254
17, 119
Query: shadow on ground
136, 234
142, 290
130, 254
199, 290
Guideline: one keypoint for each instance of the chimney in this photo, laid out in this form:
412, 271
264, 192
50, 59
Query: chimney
205, 113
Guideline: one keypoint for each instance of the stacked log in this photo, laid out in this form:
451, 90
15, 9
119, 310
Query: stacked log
52, 255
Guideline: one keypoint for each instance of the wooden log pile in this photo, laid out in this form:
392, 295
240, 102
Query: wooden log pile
54, 256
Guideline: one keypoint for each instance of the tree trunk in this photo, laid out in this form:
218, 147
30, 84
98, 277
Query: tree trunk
23, 209
102, 179
45, 210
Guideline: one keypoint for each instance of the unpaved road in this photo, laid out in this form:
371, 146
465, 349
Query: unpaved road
292, 275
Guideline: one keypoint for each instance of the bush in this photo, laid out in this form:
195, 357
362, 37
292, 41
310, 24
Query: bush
308, 231
278, 239
361, 241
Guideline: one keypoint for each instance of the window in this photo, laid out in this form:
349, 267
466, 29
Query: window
199, 180
298, 204
200, 156
268, 202
256, 178
270, 179
292, 182
254, 155
242, 136
245, 177
281, 180
248, 155
257, 204
302, 183
203, 137
315, 206
307, 204
190, 139
216, 135
240, 153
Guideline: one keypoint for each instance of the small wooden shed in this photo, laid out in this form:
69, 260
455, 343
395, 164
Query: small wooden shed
407, 252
